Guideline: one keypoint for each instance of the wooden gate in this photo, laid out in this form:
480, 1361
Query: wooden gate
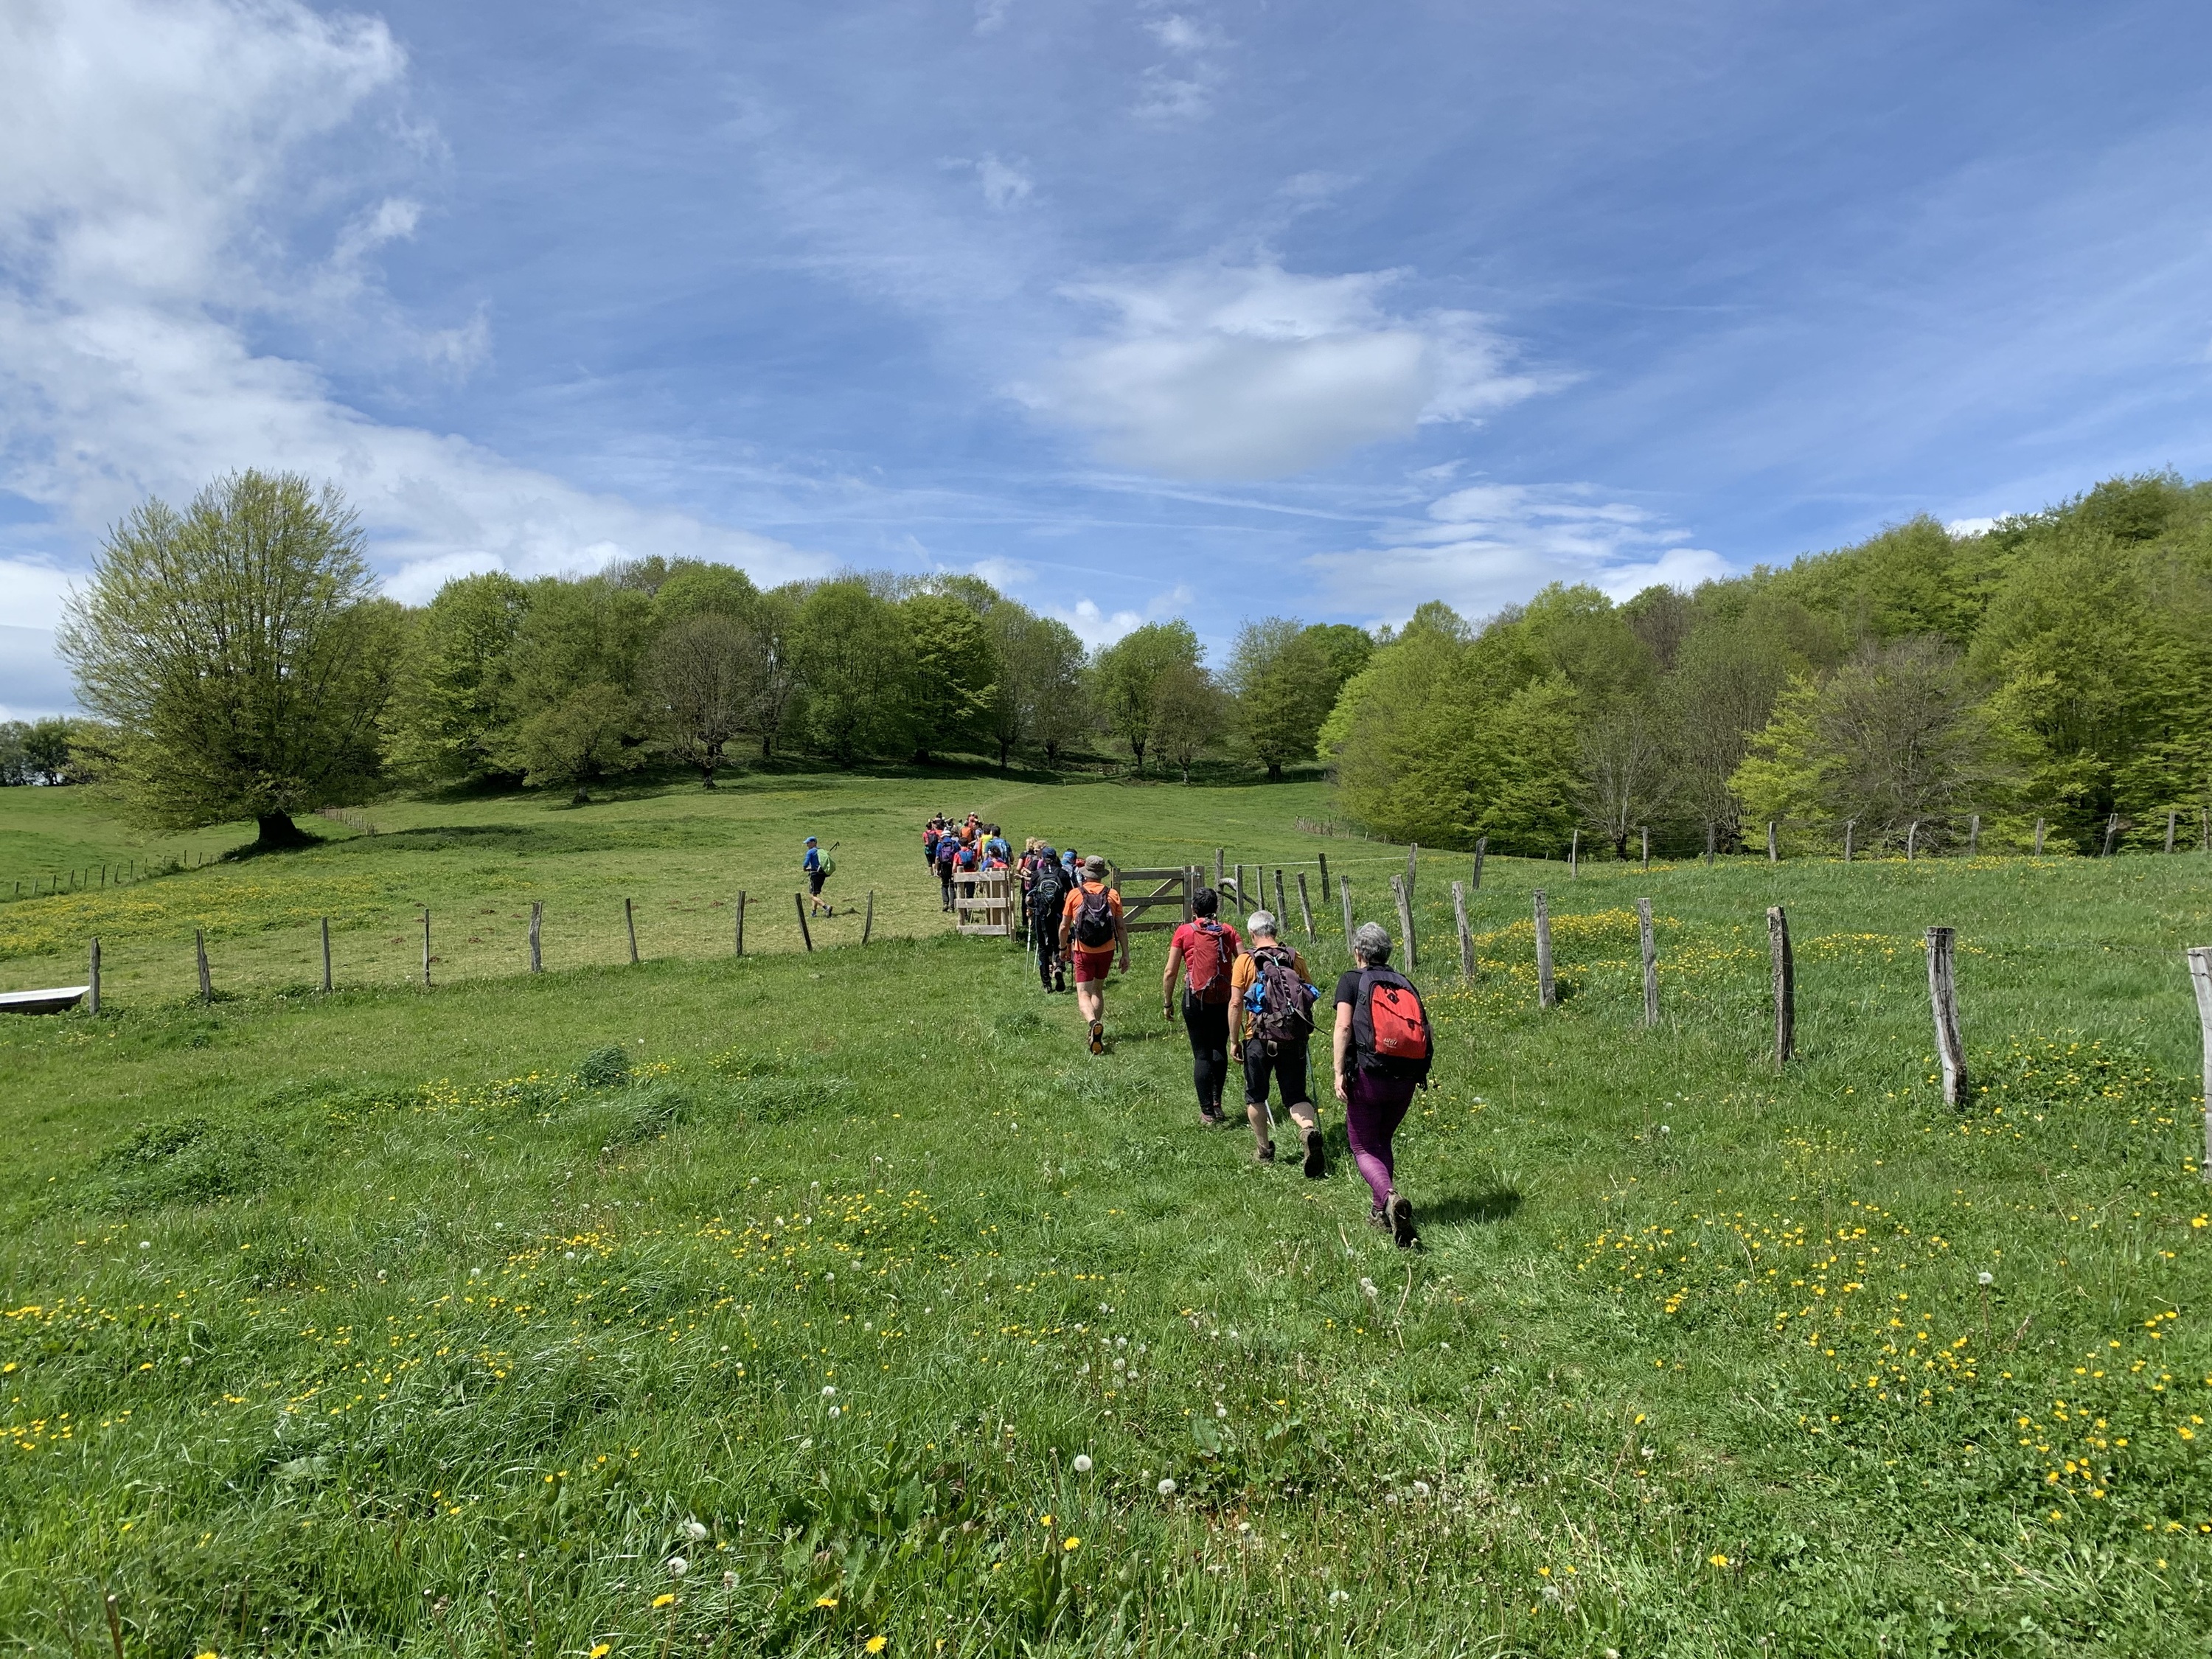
1172, 896
981, 904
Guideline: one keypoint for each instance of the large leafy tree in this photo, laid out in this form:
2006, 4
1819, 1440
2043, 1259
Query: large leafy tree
238, 654
1125, 679
856, 658
1189, 714
1285, 681
956, 672
702, 677
449, 716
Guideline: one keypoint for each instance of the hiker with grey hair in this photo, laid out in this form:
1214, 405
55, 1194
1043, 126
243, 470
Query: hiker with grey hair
1272, 1002
1384, 1052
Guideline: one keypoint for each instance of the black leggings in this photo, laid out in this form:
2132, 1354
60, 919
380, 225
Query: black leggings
1208, 1023
1288, 1066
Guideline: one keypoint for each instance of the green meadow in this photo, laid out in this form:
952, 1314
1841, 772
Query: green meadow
841, 1302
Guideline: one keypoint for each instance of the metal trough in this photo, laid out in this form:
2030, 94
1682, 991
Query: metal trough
56, 1000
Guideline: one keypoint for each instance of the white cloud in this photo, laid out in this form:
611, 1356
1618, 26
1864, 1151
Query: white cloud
1971, 527
1491, 545
31, 592
991, 15
1219, 371
1004, 183
162, 158
33, 681
1181, 89
1093, 626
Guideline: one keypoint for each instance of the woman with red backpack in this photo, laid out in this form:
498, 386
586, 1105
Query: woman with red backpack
1206, 950
1384, 1052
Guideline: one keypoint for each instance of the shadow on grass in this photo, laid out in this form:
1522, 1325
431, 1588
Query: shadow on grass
1472, 1209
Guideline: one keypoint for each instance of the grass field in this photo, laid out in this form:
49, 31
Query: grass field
438, 1323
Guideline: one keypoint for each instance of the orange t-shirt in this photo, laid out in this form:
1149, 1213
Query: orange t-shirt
1074, 908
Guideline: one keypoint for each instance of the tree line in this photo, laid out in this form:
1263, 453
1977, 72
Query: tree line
2057, 667
236, 660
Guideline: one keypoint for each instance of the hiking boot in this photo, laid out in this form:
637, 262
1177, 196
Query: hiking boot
1402, 1231
1379, 1219
1266, 1154
1210, 1118
1098, 1037
1315, 1166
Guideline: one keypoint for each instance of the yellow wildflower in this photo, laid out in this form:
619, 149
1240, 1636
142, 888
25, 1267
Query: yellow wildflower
665, 1599
876, 1643
1071, 1542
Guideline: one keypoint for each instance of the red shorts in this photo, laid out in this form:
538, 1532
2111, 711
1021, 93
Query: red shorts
1090, 966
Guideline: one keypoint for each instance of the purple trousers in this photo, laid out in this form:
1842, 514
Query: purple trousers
1374, 1109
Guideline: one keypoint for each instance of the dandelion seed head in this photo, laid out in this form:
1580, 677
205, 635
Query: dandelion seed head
1985, 1278
1083, 1463
695, 1531
1167, 1487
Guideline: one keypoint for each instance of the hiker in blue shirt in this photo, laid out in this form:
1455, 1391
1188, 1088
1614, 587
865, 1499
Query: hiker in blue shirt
817, 865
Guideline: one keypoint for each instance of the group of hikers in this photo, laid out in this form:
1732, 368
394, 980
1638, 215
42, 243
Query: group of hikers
1248, 999
952, 847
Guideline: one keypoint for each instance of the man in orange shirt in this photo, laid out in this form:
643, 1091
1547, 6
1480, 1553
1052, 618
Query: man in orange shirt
1091, 930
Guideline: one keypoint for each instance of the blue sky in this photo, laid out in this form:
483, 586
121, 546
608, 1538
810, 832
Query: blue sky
1217, 309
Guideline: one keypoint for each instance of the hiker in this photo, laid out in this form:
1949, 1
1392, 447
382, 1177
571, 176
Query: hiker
948, 855
1203, 950
1090, 924
930, 832
818, 866
1383, 1051
1271, 1020
1047, 899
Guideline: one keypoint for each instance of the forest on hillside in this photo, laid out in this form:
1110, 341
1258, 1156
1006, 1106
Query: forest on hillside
1919, 685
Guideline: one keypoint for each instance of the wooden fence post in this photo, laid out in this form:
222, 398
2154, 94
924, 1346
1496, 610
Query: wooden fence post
1575, 853
1773, 850
630, 922
93, 974
1650, 961
1709, 843
1466, 938
1218, 870
426, 947
326, 953
2038, 838
1943, 998
1645, 830
2112, 833
741, 921
1912, 835
1413, 867
804, 932
868, 921
1481, 846
199, 950
2170, 818
1545, 997
1851, 825
1406, 925
1282, 905
2200, 979
1305, 906
1785, 984
1243, 899
1974, 836
1344, 892
1322, 860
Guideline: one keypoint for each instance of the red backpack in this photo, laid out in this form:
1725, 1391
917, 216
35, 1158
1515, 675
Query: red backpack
1206, 957
1390, 1033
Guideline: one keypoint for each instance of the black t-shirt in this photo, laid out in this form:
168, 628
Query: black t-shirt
1347, 987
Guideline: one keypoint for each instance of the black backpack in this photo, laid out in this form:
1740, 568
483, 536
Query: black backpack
1048, 888
1279, 1002
1094, 918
